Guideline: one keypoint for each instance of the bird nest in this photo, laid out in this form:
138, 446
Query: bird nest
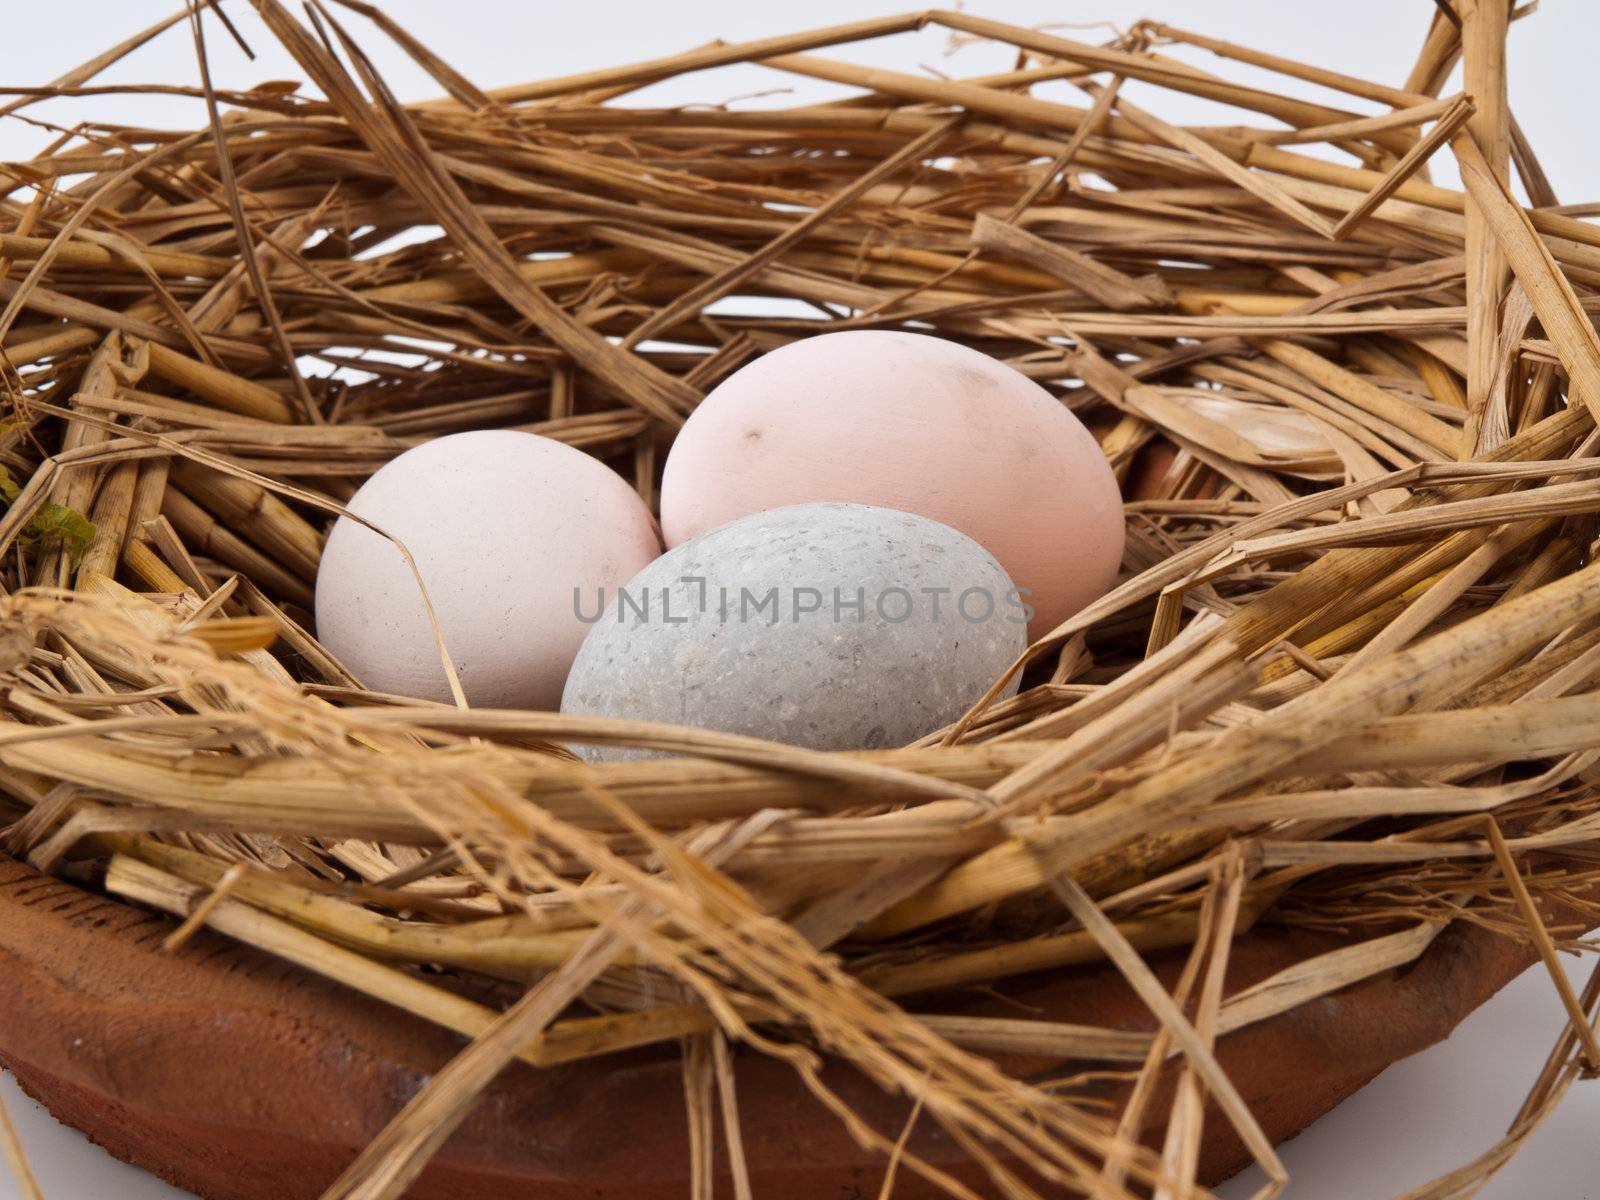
1341, 697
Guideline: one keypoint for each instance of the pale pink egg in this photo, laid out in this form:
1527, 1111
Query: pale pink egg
916, 423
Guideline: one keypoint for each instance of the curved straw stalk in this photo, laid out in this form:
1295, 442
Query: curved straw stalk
1354, 624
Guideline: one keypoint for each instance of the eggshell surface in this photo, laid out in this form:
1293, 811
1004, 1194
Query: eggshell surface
917, 423
830, 626
505, 528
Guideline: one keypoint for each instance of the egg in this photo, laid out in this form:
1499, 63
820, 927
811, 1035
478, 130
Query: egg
906, 421
507, 529
830, 626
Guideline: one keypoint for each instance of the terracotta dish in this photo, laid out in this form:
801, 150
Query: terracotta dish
230, 1074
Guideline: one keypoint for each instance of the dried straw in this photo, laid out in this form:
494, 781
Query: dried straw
1347, 680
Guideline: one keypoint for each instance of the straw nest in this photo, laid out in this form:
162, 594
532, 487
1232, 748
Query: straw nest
1347, 678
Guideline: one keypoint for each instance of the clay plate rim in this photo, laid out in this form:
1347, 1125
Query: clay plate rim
239, 1077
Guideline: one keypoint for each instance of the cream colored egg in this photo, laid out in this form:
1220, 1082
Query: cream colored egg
916, 423
508, 530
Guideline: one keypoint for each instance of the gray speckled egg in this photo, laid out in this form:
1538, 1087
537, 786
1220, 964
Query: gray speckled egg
832, 626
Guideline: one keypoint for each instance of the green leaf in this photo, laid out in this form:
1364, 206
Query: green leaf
53, 522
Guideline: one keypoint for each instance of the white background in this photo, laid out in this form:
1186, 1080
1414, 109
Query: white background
1420, 1118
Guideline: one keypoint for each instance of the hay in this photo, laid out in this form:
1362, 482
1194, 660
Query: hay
1346, 679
